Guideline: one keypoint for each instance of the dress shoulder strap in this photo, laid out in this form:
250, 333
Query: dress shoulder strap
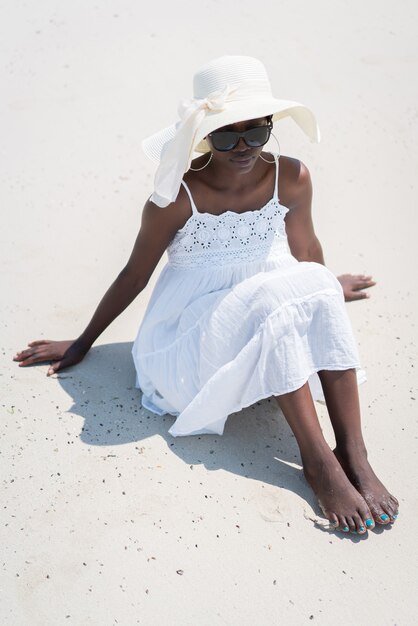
194, 209
276, 183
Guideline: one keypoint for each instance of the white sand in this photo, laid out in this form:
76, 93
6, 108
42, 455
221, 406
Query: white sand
105, 519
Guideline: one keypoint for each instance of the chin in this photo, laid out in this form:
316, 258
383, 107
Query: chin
243, 164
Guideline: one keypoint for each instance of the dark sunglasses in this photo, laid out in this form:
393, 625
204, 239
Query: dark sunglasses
224, 140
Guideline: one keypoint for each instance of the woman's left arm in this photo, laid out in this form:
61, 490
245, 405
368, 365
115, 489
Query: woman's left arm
303, 242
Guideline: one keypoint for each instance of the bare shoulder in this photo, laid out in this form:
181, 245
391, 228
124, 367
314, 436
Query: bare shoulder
295, 186
167, 219
158, 228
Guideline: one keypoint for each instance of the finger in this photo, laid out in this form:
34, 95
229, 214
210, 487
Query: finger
40, 355
366, 283
54, 367
36, 358
29, 361
23, 354
358, 295
359, 287
361, 280
363, 277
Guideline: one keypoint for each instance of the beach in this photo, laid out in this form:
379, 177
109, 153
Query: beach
106, 519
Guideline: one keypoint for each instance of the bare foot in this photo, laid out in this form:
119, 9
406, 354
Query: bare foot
341, 503
382, 505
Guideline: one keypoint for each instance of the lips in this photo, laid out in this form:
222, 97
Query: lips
242, 160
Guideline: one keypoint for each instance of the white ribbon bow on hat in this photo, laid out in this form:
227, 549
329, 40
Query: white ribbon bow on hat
176, 154
213, 102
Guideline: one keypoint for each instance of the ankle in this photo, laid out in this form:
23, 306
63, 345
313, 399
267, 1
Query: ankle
352, 448
318, 458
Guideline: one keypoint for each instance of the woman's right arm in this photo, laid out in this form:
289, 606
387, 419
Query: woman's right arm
158, 228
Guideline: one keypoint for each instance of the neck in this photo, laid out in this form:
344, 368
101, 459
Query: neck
228, 176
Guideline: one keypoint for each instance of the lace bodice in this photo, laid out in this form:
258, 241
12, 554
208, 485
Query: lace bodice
230, 238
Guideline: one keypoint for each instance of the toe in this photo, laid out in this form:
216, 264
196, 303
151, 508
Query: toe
379, 514
334, 521
389, 509
394, 515
392, 508
360, 524
343, 524
366, 517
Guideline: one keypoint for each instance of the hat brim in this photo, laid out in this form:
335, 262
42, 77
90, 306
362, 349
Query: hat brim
236, 112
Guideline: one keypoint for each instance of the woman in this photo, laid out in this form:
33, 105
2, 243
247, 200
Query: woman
234, 316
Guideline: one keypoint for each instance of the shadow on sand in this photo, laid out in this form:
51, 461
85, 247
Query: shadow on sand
257, 442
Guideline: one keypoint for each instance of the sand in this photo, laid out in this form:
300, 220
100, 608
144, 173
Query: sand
105, 518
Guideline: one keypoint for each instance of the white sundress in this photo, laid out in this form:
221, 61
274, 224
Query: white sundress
235, 318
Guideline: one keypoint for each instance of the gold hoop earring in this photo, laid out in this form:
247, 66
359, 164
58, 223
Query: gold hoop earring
198, 169
278, 154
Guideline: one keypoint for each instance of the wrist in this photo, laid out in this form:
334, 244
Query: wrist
83, 343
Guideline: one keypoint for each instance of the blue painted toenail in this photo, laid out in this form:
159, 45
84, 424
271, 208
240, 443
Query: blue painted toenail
384, 517
394, 516
346, 529
362, 529
369, 523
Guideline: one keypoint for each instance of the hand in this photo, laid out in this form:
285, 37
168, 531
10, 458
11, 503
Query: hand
62, 353
353, 286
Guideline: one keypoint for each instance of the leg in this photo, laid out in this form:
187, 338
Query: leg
341, 503
341, 395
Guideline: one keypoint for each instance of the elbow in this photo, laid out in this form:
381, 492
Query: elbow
312, 252
315, 252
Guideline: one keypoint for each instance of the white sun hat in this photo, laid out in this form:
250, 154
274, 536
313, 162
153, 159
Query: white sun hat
227, 90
